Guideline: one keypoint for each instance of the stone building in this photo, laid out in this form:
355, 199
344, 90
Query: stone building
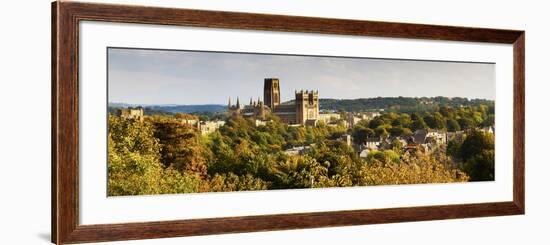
352, 120
208, 127
329, 117
135, 113
304, 110
307, 107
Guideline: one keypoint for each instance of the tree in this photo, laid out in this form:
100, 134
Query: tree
381, 131
418, 124
481, 167
466, 123
338, 157
430, 121
396, 131
409, 170
452, 125
134, 166
396, 145
477, 152
185, 116
403, 120
407, 132
374, 123
181, 147
360, 134
386, 157
439, 120
447, 112
233, 182
489, 121
475, 142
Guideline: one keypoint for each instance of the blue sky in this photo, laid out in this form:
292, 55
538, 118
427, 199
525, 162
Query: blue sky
140, 76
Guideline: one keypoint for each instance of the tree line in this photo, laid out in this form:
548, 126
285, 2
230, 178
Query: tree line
398, 104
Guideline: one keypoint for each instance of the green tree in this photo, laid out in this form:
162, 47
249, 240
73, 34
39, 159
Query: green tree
374, 123
381, 131
452, 125
360, 134
396, 131
477, 153
481, 167
418, 124
489, 121
133, 158
466, 123
439, 120
430, 121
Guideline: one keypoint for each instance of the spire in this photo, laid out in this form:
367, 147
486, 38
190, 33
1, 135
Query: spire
238, 103
250, 100
229, 103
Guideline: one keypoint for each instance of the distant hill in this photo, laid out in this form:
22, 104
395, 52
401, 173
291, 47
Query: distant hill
399, 104
172, 109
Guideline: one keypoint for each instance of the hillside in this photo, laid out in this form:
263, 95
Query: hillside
172, 109
400, 104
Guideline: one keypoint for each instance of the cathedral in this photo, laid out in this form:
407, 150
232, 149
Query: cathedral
304, 110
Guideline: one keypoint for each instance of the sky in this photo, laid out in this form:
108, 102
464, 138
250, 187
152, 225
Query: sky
142, 76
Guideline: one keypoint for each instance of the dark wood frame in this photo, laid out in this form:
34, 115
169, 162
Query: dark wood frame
65, 31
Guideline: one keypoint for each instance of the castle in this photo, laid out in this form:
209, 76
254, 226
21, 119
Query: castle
135, 113
304, 110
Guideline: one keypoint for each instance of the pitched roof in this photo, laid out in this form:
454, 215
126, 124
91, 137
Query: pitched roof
419, 136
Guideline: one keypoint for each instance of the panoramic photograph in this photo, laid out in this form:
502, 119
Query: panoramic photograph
202, 121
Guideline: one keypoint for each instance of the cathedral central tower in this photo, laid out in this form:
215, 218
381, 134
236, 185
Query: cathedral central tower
272, 93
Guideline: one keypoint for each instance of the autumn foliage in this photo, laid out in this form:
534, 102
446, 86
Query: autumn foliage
159, 155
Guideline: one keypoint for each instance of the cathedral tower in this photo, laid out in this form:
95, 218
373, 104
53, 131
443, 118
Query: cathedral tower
307, 107
272, 93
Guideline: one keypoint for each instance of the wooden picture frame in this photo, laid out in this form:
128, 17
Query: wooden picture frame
65, 121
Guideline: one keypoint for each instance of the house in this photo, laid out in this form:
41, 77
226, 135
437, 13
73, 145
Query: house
419, 137
439, 136
352, 120
418, 141
207, 127
328, 117
372, 143
133, 113
346, 138
387, 143
297, 150
189, 121
369, 115
258, 123
433, 136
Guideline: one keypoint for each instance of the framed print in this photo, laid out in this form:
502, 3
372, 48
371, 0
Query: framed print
176, 122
